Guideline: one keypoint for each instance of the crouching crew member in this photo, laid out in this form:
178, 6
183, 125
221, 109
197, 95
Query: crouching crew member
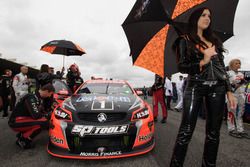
29, 118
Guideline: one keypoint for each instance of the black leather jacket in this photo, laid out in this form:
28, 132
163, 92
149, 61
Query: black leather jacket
189, 62
43, 79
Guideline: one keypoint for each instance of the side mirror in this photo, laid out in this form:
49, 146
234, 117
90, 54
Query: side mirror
139, 93
63, 92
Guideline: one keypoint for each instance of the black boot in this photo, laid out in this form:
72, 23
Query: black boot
24, 143
164, 120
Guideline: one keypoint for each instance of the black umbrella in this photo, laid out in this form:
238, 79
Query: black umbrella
63, 47
151, 29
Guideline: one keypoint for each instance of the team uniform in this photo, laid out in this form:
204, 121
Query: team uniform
20, 85
158, 97
28, 119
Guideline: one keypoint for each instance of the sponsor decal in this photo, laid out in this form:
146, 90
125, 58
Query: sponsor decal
142, 9
83, 130
142, 114
104, 98
34, 107
56, 140
145, 138
60, 113
100, 154
102, 105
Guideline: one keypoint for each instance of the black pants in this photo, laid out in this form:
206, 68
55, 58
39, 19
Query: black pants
5, 105
169, 98
193, 99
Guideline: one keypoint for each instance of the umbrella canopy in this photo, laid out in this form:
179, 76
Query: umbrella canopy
63, 47
150, 36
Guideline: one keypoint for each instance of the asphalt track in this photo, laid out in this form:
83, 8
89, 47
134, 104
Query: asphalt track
233, 152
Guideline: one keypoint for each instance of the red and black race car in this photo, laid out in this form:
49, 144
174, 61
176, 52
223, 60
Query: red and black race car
103, 119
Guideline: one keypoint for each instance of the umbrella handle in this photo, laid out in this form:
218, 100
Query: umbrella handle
63, 60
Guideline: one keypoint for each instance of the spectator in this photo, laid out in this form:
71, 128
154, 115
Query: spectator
28, 117
175, 96
21, 83
168, 91
6, 88
234, 118
58, 75
144, 90
158, 96
179, 87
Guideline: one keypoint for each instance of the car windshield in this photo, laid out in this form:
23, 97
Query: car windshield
105, 88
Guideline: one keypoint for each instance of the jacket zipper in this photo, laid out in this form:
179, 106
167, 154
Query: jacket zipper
211, 65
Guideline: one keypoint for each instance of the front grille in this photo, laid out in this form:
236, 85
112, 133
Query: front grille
91, 144
92, 117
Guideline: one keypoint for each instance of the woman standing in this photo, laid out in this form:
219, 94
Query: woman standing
73, 77
200, 55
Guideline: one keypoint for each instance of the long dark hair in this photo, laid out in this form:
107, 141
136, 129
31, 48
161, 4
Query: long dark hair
207, 33
44, 68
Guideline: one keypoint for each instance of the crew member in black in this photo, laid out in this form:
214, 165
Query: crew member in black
200, 55
73, 77
6, 89
44, 77
29, 116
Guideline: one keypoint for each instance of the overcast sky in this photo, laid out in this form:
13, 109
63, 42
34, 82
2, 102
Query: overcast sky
25, 25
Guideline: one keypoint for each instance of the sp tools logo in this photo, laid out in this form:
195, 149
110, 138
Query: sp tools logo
82, 130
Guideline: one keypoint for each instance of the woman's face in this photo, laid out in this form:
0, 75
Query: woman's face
236, 65
204, 20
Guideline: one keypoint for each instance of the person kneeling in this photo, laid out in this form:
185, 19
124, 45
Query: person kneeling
29, 118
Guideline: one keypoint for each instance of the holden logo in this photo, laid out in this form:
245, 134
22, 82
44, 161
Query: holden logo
102, 117
101, 149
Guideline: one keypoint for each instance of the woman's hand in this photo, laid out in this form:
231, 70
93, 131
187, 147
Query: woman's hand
231, 100
208, 54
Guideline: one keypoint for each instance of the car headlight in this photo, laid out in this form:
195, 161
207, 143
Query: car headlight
141, 114
60, 114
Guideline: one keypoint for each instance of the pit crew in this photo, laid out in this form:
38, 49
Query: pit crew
29, 118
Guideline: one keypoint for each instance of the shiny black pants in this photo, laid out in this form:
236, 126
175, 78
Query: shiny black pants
193, 99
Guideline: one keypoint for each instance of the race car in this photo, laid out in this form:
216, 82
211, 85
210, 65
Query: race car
103, 119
